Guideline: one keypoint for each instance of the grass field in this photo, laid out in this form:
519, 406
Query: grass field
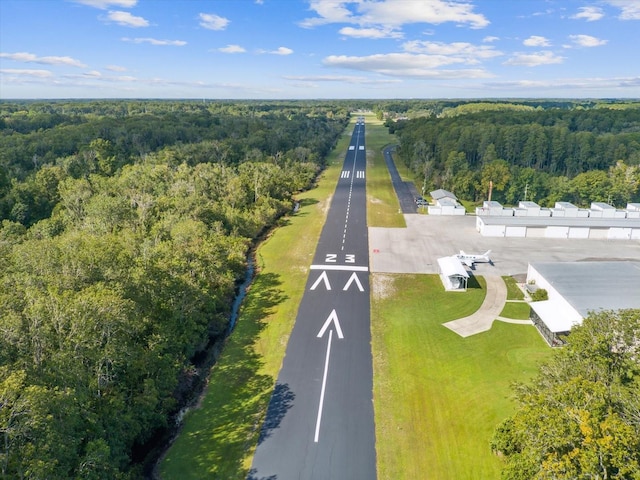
513, 291
516, 310
383, 207
438, 397
218, 438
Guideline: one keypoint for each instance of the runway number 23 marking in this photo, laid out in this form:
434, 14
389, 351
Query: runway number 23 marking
333, 258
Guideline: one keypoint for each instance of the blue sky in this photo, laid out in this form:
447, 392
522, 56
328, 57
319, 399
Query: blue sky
295, 49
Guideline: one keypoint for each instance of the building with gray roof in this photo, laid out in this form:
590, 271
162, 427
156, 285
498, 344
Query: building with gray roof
577, 288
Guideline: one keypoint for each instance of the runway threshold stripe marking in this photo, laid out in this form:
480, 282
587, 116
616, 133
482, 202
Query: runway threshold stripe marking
347, 268
324, 384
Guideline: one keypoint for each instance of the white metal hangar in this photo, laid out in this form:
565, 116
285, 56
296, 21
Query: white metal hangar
446, 203
577, 288
601, 221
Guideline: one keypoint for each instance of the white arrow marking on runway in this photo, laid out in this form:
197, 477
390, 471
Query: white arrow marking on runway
322, 277
333, 317
354, 277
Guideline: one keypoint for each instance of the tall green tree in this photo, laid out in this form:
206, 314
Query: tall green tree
580, 418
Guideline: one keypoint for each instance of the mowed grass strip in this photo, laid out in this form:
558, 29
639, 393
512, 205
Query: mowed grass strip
513, 291
516, 310
383, 209
218, 438
438, 397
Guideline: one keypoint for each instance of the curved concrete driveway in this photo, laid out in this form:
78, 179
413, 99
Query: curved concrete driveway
490, 309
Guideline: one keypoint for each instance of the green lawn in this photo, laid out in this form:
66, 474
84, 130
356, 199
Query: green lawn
438, 397
513, 291
516, 310
383, 206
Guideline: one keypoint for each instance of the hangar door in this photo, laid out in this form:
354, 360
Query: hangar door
516, 231
579, 232
557, 232
536, 232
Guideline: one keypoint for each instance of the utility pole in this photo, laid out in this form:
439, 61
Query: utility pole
526, 187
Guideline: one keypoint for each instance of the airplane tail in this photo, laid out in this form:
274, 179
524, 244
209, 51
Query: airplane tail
487, 253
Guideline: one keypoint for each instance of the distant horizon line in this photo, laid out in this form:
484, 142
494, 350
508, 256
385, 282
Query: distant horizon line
317, 99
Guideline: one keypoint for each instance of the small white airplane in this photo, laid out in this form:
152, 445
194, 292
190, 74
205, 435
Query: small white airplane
469, 259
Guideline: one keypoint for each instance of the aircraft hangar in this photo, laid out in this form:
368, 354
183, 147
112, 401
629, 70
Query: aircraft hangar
601, 221
577, 288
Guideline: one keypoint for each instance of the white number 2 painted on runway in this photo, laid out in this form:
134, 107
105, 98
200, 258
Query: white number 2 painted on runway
333, 257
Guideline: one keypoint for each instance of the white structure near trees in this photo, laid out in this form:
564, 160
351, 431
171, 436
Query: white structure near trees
577, 288
446, 203
564, 220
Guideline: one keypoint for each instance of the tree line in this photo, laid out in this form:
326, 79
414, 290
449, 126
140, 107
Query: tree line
120, 252
578, 155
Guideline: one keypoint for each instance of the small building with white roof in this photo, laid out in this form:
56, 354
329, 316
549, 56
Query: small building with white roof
453, 274
446, 203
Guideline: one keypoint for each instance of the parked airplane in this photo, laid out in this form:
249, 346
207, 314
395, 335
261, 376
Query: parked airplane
469, 259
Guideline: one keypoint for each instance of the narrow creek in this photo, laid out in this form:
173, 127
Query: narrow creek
158, 446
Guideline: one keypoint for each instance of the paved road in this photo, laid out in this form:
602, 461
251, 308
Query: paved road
405, 191
320, 422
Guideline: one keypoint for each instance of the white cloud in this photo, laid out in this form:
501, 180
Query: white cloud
211, 21
534, 59
590, 14
232, 49
458, 51
536, 41
154, 41
630, 9
342, 79
116, 68
371, 32
490, 39
570, 84
282, 51
404, 64
393, 13
329, 12
587, 41
51, 60
104, 4
23, 72
279, 51
125, 19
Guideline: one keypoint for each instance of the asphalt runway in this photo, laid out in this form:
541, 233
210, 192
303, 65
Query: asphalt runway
319, 422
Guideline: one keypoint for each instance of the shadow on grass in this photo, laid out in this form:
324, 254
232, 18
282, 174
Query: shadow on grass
281, 401
472, 282
217, 437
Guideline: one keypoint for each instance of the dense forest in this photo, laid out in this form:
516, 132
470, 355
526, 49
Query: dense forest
125, 229
528, 153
